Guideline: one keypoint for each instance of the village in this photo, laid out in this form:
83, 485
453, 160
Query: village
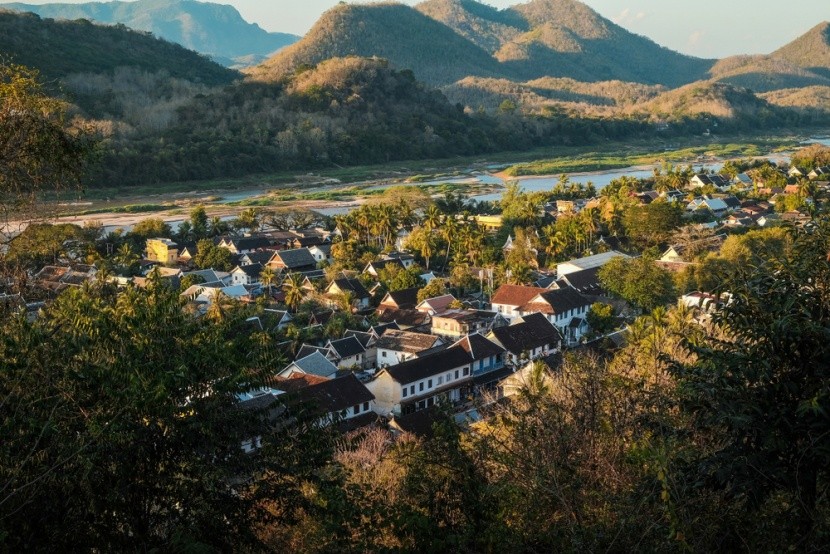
409, 305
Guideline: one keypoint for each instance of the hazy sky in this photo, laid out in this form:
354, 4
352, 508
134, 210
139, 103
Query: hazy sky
704, 28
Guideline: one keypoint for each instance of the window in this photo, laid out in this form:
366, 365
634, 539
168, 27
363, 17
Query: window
421, 386
356, 409
383, 353
412, 390
449, 376
440, 380
466, 370
404, 392
429, 383
365, 406
456, 374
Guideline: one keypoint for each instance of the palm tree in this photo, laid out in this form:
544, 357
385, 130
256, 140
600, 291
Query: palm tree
449, 231
267, 277
432, 217
294, 293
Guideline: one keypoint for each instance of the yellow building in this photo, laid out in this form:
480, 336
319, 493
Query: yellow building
489, 222
162, 250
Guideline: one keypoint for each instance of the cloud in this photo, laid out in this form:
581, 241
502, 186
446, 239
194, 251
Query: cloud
627, 16
622, 16
696, 37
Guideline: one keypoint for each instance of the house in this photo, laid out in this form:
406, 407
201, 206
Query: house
261, 257
703, 179
443, 376
488, 359
588, 262
406, 259
244, 245
404, 319
187, 252
210, 277
162, 250
292, 261
565, 308
458, 323
246, 274
819, 173
436, 305
395, 347
344, 401
374, 268
279, 318
313, 364
321, 252
585, 281
307, 242
320, 318
703, 301
309, 349
404, 299
673, 196
680, 252
716, 206
530, 337
507, 299
360, 297
768, 220
743, 181
367, 339
349, 352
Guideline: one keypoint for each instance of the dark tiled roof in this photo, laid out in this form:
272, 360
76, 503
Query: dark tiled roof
259, 257
347, 347
380, 329
405, 298
305, 242
418, 423
533, 331
352, 285
335, 394
378, 265
439, 303
298, 257
585, 281
421, 368
363, 336
251, 243
560, 301
252, 270
492, 376
321, 318
316, 364
410, 318
514, 295
406, 341
308, 350
479, 347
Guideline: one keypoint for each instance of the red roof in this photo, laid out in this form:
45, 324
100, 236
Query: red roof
515, 295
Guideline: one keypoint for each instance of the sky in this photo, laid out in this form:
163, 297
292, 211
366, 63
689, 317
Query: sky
703, 28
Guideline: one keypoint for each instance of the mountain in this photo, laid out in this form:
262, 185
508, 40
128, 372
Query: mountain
61, 48
765, 73
404, 36
216, 30
811, 50
443, 41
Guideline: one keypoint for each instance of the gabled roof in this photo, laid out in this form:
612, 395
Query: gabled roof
378, 265
346, 347
406, 341
364, 337
251, 270
321, 318
250, 243
556, 301
316, 364
381, 328
259, 257
478, 347
437, 304
351, 285
408, 318
585, 281
421, 368
531, 331
403, 299
514, 295
308, 350
298, 257
335, 395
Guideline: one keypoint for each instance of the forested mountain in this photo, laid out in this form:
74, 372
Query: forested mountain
61, 48
216, 30
407, 38
446, 40
811, 50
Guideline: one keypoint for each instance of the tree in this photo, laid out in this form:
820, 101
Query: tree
294, 293
211, 256
198, 223
152, 227
117, 436
424, 242
601, 317
638, 281
267, 277
436, 287
653, 223
38, 151
757, 389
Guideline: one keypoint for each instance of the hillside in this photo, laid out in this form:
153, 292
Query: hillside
443, 41
216, 30
407, 38
811, 50
765, 73
61, 48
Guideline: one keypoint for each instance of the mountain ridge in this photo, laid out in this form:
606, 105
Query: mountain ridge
217, 30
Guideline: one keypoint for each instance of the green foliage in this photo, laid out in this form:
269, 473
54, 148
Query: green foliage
211, 256
436, 287
152, 227
393, 277
601, 318
811, 157
119, 436
638, 281
653, 223
43, 243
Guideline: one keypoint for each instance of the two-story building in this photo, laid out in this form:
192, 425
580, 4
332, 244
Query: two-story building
162, 250
457, 323
360, 297
565, 308
395, 347
530, 337
246, 274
